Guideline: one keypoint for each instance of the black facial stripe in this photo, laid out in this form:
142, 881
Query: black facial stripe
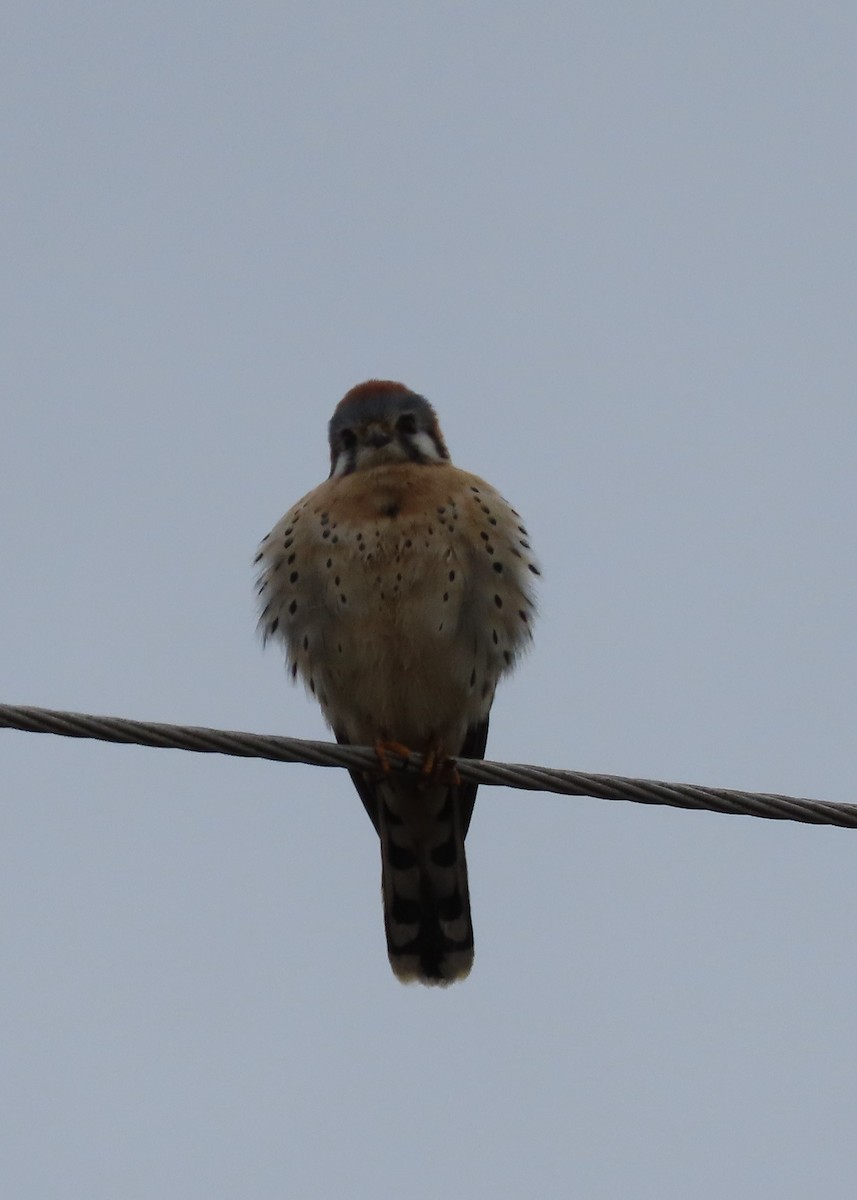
439, 445
411, 449
350, 457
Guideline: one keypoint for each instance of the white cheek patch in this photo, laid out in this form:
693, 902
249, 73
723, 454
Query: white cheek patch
341, 466
426, 445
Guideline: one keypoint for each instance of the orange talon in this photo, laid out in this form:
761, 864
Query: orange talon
430, 762
438, 768
383, 750
448, 773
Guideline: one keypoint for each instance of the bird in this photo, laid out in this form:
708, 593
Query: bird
401, 590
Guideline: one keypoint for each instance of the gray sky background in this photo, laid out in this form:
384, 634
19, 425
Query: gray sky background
614, 243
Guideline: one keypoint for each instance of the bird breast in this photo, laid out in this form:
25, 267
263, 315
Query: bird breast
402, 594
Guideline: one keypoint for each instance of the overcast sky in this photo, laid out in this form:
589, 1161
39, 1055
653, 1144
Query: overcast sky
615, 244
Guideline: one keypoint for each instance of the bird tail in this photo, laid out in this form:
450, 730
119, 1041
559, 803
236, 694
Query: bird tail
424, 882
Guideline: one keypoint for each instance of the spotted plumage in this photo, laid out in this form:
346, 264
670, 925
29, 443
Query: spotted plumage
401, 589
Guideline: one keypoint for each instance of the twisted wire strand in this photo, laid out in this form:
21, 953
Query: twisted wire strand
516, 775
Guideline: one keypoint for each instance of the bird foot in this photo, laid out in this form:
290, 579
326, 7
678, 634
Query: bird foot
383, 750
438, 767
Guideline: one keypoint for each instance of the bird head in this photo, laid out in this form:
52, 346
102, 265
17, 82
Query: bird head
381, 422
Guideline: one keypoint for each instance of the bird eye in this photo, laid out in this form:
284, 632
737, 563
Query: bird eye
348, 438
407, 423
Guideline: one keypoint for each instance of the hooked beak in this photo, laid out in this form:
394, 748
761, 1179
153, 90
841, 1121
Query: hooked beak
377, 437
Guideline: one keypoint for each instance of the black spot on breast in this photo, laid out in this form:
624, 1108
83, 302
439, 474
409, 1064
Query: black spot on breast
293, 578
392, 510
486, 688
498, 567
473, 677
325, 518
291, 558
343, 598
336, 580
535, 570
507, 656
312, 685
306, 642
293, 607
494, 637
523, 616
261, 587
294, 670
272, 628
498, 600
258, 558
451, 576
445, 597
329, 563
326, 533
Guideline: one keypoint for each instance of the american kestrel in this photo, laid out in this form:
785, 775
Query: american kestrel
401, 589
